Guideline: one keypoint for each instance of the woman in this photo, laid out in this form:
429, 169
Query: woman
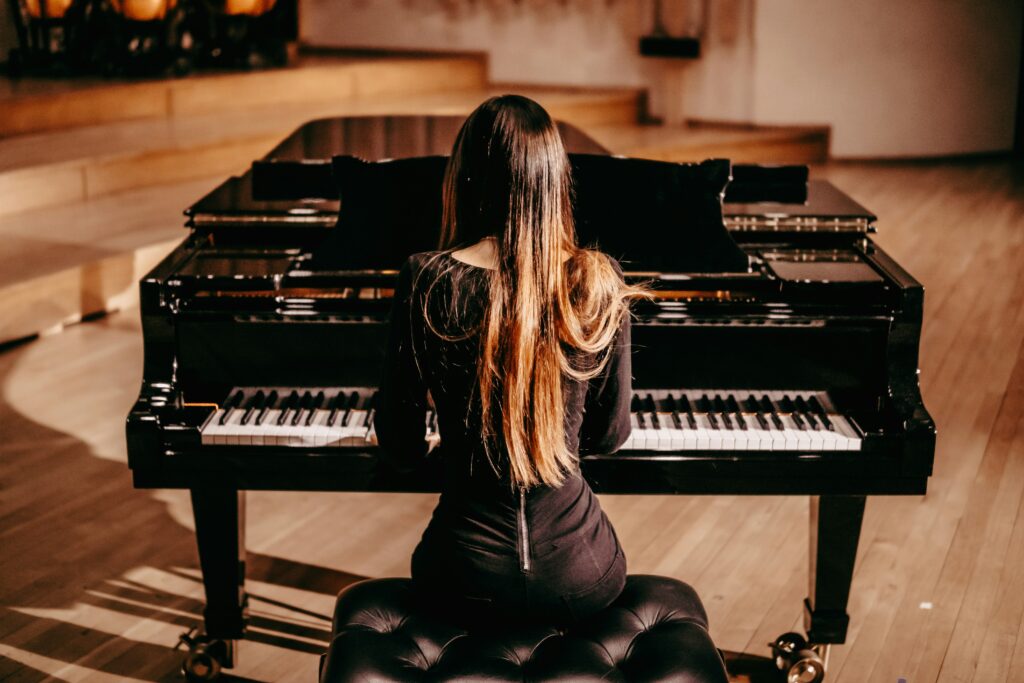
521, 340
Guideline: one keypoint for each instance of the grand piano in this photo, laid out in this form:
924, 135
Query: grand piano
779, 355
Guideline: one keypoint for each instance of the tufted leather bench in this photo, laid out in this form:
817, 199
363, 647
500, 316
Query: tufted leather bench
655, 631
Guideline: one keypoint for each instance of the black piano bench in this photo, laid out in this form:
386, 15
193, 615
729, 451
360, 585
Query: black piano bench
655, 631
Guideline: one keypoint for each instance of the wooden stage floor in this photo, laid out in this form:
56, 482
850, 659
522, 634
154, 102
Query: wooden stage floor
97, 579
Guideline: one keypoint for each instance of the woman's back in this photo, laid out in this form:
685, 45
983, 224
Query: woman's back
486, 539
527, 363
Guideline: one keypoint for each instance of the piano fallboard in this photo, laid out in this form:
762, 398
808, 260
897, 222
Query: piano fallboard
633, 472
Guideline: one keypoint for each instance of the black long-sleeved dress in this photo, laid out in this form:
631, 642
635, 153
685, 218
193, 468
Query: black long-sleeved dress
542, 553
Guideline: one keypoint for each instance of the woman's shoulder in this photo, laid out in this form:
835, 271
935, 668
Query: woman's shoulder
419, 261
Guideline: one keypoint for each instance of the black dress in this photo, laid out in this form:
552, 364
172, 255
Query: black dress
492, 551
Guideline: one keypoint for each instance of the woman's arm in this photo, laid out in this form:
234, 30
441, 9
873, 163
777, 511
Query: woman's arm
606, 418
402, 398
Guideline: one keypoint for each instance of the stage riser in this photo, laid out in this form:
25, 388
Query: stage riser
45, 304
223, 150
109, 102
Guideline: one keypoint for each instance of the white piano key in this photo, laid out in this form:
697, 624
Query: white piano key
335, 431
231, 432
632, 442
354, 433
210, 431
828, 440
708, 439
664, 432
739, 432
245, 434
273, 433
803, 435
791, 432
853, 441
676, 436
726, 432
778, 436
319, 427
759, 439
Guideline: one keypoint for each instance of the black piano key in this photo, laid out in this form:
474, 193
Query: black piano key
734, 408
750, 403
317, 402
808, 414
636, 408
267, 406
786, 404
769, 409
353, 401
722, 410
652, 408
799, 421
334, 407
673, 407
233, 402
687, 410
704, 405
371, 413
289, 405
255, 404
307, 401
821, 412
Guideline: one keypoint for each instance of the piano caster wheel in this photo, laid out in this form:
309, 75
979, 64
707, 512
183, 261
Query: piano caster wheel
801, 662
206, 657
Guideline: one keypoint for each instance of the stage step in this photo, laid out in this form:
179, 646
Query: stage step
32, 105
61, 264
57, 167
94, 176
741, 144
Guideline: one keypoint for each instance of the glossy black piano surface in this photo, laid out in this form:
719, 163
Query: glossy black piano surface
290, 288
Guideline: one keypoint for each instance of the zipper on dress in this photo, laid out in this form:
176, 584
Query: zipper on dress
524, 533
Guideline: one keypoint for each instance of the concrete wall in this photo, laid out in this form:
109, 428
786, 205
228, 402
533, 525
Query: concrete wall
908, 78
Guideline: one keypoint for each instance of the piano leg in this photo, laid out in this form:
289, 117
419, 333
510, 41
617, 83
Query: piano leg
220, 532
835, 532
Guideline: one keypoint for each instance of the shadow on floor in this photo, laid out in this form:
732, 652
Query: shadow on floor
744, 668
73, 528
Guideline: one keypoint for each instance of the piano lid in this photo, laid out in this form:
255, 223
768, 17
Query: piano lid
654, 216
300, 166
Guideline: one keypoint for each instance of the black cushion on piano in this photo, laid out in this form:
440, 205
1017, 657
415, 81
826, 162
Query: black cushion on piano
656, 215
651, 215
389, 209
768, 183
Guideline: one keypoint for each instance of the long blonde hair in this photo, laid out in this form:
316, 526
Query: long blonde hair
545, 319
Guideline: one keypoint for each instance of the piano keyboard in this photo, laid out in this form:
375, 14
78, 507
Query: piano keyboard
662, 420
